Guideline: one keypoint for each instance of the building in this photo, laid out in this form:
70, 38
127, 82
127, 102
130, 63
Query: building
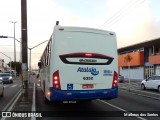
145, 60
1, 65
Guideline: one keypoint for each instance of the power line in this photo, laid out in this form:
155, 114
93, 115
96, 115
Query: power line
119, 16
118, 11
123, 15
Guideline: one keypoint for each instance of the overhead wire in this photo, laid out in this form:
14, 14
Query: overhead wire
117, 12
123, 11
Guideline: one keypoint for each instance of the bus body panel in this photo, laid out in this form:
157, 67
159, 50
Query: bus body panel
88, 81
66, 95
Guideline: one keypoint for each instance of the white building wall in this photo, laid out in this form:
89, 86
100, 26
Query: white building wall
158, 70
136, 73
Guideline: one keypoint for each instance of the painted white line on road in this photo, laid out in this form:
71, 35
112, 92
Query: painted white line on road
121, 109
6, 85
11, 103
14, 85
33, 102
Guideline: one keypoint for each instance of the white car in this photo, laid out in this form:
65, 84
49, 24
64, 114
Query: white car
1, 88
152, 82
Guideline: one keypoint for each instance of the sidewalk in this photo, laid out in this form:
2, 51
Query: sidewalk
132, 80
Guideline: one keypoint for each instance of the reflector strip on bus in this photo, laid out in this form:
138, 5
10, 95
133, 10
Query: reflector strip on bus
108, 59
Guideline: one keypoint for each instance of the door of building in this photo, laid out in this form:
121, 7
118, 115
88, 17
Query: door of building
149, 71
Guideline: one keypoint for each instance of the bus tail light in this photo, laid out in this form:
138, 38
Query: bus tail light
48, 93
88, 54
115, 80
56, 81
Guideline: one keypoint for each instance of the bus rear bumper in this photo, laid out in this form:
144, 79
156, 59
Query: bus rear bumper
66, 95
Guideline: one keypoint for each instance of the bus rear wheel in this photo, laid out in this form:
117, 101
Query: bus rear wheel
159, 88
46, 101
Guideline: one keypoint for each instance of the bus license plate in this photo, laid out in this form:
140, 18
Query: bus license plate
86, 86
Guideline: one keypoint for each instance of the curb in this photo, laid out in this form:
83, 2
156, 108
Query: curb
143, 93
33, 102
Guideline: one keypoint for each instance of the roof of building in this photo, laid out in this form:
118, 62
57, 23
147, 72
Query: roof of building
149, 43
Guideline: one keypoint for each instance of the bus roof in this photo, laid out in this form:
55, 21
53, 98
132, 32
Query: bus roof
83, 29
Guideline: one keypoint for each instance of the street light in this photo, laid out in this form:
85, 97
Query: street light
30, 55
1, 36
14, 41
9, 58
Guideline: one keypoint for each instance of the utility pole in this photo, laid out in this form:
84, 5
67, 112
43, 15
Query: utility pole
24, 44
14, 41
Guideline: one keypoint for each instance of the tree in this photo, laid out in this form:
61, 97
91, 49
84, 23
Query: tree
16, 65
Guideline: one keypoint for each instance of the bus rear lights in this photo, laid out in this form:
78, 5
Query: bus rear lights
48, 93
56, 81
115, 80
61, 28
57, 86
88, 54
55, 77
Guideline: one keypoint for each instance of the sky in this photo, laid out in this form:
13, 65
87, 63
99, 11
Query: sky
133, 21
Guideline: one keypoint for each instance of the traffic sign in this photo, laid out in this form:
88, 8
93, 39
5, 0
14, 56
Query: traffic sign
128, 58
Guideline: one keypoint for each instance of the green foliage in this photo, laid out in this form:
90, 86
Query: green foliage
16, 65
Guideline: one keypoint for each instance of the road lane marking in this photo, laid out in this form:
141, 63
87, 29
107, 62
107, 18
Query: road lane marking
121, 109
33, 102
6, 85
14, 85
6, 108
11, 103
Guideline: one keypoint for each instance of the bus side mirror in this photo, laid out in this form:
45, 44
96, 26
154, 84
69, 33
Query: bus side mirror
37, 75
39, 64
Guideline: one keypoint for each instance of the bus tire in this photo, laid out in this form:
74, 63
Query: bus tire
87, 100
143, 87
159, 88
46, 101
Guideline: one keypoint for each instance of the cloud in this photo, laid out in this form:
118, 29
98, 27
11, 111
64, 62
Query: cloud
42, 19
135, 25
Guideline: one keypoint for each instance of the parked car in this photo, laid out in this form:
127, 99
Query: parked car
12, 73
1, 88
6, 71
152, 82
6, 77
121, 78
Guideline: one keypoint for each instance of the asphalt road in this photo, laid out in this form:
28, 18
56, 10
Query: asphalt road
9, 91
127, 102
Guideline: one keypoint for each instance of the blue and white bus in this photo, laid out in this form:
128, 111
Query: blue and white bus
79, 64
